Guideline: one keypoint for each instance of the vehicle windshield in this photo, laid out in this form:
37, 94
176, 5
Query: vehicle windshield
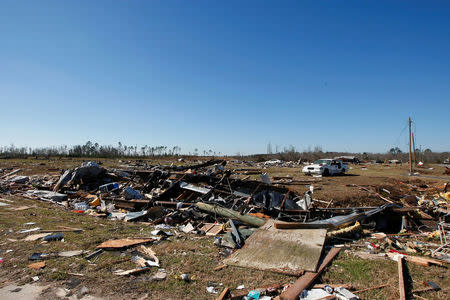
322, 161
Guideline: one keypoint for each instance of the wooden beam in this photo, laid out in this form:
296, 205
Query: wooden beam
401, 279
284, 200
308, 278
223, 294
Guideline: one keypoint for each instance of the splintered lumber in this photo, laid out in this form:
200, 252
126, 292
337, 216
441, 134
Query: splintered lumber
148, 252
220, 267
231, 214
401, 279
131, 272
223, 294
422, 261
11, 173
308, 278
212, 229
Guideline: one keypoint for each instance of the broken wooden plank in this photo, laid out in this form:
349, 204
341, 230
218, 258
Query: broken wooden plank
11, 173
20, 208
212, 228
219, 267
401, 278
371, 288
122, 243
223, 294
131, 272
240, 294
308, 278
35, 237
424, 261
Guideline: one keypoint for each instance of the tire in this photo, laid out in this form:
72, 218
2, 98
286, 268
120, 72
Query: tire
326, 172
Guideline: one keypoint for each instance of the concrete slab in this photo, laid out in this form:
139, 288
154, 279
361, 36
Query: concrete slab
27, 291
289, 251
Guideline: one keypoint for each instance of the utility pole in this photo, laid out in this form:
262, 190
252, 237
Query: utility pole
414, 148
410, 158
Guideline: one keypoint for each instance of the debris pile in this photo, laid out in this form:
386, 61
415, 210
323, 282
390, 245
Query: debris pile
268, 225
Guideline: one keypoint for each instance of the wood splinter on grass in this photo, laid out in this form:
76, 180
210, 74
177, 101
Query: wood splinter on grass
372, 288
223, 294
220, 267
401, 279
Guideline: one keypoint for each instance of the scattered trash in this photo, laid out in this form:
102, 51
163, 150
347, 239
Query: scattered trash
41, 256
109, 187
273, 227
47, 195
188, 228
160, 275
53, 237
130, 193
70, 253
185, 277
211, 290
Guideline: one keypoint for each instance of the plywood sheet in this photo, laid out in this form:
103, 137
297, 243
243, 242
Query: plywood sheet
289, 251
121, 243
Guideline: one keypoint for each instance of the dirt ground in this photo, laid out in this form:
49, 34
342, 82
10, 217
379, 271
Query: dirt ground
193, 254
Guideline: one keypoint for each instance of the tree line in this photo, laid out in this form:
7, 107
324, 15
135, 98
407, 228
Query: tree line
90, 149
286, 153
289, 153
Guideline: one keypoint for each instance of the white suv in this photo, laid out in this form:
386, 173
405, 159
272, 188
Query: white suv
326, 167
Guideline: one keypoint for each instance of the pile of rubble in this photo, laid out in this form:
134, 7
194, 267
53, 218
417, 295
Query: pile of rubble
271, 227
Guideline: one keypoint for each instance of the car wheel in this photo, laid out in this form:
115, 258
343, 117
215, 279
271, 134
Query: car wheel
326, 172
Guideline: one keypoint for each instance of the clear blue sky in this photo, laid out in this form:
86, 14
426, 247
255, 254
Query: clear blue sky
225, 75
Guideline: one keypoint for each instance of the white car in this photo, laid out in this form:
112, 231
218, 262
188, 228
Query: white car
273, 162
326, 167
